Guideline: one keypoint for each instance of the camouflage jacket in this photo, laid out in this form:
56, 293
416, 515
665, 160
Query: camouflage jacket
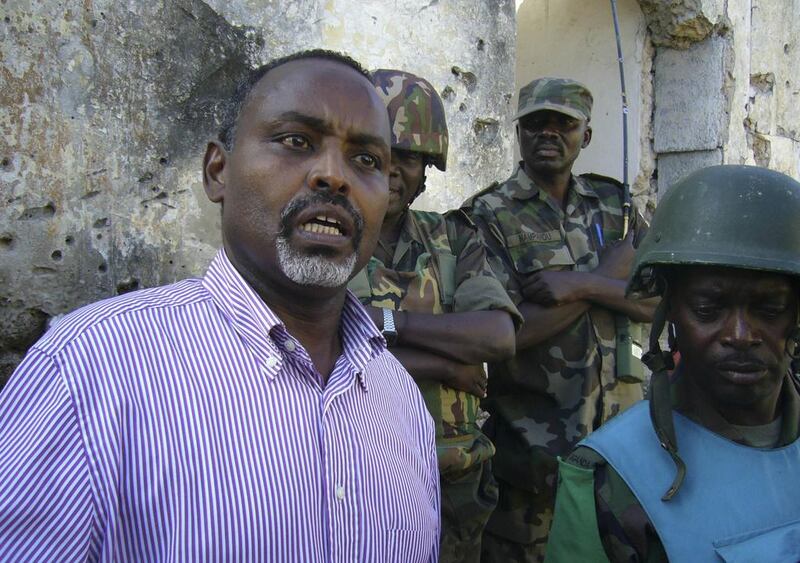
548, 397
440, 266
625, 531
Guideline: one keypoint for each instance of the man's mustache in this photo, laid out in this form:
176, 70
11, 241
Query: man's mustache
299, 203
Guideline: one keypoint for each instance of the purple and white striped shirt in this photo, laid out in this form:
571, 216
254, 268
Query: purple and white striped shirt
183, 423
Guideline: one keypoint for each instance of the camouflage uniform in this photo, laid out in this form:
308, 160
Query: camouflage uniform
548, 397
440, 266
624, 530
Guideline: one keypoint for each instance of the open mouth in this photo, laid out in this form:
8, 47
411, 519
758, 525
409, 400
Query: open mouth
323, 225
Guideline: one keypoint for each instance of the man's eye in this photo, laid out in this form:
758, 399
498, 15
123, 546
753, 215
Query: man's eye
772, 311
368, 160
705, 312
411, 157
294, 141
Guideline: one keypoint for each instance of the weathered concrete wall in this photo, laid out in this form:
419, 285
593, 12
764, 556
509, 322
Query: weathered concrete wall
726, 76
575, 38
105, 108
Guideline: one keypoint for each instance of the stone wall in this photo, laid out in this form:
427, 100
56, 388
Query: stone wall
106, 107
726, 84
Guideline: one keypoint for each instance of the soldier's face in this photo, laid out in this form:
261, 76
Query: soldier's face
405, 178
305, 187
550, 141
732, 326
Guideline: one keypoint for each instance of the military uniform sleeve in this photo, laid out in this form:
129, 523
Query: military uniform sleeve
484, 218
46, 502
477, 287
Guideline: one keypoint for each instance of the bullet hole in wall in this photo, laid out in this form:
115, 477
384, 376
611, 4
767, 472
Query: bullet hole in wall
34, 213
131, 284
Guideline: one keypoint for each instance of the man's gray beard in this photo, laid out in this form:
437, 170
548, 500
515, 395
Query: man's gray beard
314, 269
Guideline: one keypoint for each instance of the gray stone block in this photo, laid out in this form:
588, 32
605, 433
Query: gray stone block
689, 97
674, 166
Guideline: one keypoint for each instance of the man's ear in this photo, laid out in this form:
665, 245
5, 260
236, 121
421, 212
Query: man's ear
587, 137
214, 171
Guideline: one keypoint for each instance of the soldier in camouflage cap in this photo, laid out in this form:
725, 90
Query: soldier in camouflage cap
554, 241
431, 290
563, 95
706, 469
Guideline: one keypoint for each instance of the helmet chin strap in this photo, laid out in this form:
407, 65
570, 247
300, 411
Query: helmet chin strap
660, 363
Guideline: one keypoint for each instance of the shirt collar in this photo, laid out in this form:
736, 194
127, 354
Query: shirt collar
255, 321
522, 187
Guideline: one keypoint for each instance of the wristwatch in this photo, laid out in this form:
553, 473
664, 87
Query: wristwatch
389, 331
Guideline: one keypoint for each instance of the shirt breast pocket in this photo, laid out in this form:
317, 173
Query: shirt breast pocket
531, 256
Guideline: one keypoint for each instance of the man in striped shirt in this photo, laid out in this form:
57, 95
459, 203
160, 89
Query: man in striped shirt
251, 415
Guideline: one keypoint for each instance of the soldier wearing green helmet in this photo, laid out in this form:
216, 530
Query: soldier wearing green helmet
556, 240
431, 291
706, 468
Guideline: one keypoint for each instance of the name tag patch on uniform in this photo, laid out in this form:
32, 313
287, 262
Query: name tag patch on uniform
536, 238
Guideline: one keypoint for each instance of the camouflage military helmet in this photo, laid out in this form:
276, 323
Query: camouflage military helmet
736, 216
416, 114
563, 95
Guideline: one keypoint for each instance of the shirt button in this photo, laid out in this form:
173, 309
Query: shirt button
339, 492
272, 361
289, 346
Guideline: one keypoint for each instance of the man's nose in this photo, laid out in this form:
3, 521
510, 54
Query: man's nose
550, 129
329, 171
740, 332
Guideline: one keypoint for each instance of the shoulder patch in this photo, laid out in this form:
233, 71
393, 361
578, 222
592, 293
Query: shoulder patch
602, 179
469, 201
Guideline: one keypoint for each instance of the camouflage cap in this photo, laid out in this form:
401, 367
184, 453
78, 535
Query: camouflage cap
563, 95
416, 114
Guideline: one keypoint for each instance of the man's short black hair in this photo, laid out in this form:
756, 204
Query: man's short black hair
232, 109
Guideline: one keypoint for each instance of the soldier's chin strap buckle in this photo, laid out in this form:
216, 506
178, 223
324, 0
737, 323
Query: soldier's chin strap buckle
658, 360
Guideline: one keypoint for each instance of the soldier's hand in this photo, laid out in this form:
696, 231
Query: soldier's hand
553, 287
469, 378
616, 259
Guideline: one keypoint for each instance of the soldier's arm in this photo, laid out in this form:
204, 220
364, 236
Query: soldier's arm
604, 286
424, 366
542, 323
471, 337
482, 325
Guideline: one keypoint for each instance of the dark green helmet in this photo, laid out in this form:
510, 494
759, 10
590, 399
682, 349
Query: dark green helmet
734, 216
738, 216
416, 114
